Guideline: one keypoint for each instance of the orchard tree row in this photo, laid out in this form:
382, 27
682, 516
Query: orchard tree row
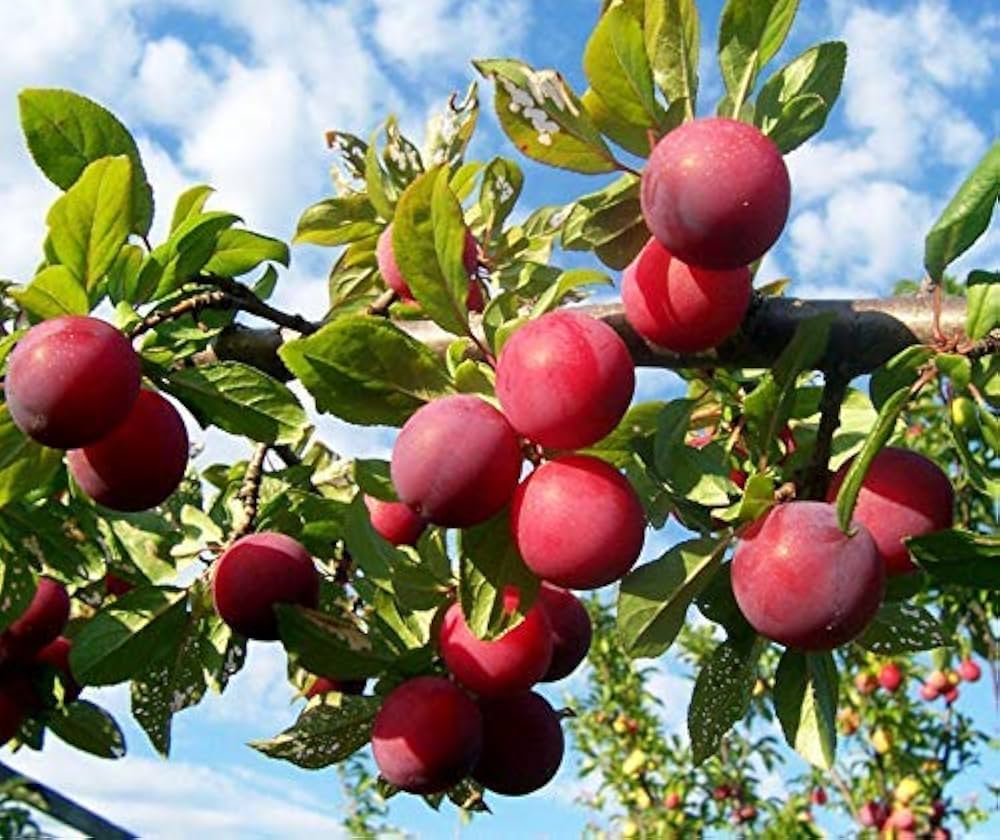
837, 529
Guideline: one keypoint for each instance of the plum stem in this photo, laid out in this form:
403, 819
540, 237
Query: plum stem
249, 493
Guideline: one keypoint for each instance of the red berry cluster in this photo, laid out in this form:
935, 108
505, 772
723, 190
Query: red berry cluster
29, 648
73, 383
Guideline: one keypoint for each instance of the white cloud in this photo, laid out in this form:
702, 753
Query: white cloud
440, 32
144, 796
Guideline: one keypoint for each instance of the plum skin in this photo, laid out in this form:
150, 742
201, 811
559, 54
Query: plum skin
456, 461
801, 581
682, 308
17, 699
571, 630
140, 463
427, 736
257, 572
41, 622
904, 494
71, 380
577, 522
565, 380
389, 269
511, 663
716, 193
395, 522
522, 744
324, 685
56, 655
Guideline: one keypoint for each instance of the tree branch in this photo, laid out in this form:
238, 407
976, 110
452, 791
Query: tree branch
817, 473
864, 334
249, 493
248, 301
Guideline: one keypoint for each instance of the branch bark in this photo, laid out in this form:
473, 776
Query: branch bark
864, 335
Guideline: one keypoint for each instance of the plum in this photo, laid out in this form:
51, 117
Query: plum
71, 380
565, 380
801, 581
389, 269
571, 630
140, 462
716, 193
42, 621
395, 522
522, 744
257, 572
427, 736
904, 494
456, 461
682, 308
577, 522
508, 664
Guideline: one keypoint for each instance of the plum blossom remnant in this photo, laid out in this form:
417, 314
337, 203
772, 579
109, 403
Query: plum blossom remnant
543, 86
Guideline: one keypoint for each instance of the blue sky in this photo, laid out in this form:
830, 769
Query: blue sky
237, 93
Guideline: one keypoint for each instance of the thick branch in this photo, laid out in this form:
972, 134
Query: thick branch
864, 334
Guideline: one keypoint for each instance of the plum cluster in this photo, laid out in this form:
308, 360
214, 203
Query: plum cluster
715, 195
73, 383
32, 649
432, 732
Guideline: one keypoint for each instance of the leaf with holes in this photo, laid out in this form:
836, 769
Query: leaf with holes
88, 727
902, 628
329, 730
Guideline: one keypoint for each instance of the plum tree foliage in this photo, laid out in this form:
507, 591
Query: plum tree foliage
841, 554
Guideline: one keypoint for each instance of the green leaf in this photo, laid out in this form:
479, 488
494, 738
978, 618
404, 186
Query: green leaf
501, 188
337, 221
90, 223
899, 627
604, 217
66, 132
958, 557
966, 217
379, 188
240, 400
89, 728
126, 636
178, 260
54, 291
428, 240
40, 532
983, 300
329, 730
618, 70
722, 693
672, 42
490, 562
769, 405
24, 464
750, 34
794, 103
805, 700
366, 370
700, 475
373, 479
190, 203
568, 282
324, 644
123, 276
239, 251
847, 496
653, 600
901, 371
633, 138
544, 118
17, 588
633, 434
373, 555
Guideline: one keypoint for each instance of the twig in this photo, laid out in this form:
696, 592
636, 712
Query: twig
986, 346
288, 455
249, 493
246, 300
817, 473
381, 304
216, 299
845, 793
